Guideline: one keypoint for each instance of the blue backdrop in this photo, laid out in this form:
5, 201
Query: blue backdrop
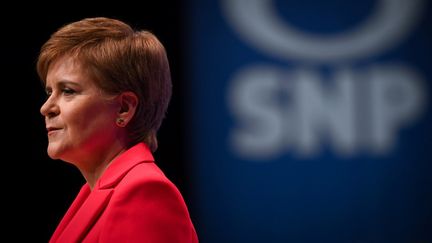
310, 121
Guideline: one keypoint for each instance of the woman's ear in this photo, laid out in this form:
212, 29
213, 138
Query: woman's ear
128, 102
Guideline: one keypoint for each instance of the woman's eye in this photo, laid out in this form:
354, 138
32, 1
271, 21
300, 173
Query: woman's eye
68, 91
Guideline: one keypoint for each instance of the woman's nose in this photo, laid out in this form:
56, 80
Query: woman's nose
49, 108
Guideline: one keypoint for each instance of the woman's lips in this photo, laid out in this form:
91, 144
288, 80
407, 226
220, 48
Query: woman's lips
52, 130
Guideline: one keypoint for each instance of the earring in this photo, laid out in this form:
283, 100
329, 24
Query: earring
120, 122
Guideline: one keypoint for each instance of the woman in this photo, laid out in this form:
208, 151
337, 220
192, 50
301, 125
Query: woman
108, 89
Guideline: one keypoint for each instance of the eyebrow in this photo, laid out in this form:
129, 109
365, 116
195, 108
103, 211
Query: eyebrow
63, 83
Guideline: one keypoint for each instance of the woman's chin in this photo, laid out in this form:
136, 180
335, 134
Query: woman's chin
53, 152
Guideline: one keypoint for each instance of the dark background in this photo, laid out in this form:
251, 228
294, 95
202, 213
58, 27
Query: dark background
37, 190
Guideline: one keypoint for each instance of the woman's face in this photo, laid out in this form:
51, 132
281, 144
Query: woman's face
79, 117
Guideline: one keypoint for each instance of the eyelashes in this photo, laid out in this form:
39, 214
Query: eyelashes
64, 91
68, 91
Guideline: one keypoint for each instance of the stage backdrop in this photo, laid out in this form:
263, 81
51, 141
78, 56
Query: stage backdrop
310, 121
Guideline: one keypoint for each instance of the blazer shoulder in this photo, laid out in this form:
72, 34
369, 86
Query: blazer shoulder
155, 208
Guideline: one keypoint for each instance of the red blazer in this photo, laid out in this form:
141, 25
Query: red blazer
133, 201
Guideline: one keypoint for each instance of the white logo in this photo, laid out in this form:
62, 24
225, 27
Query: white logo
299, 110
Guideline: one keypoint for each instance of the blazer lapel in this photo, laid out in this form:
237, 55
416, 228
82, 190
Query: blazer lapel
89, 205
86, 216
76, 204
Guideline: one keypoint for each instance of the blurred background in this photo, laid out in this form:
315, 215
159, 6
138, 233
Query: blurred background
291, 121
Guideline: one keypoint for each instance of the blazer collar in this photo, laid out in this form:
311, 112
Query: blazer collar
123, 163
88, 205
